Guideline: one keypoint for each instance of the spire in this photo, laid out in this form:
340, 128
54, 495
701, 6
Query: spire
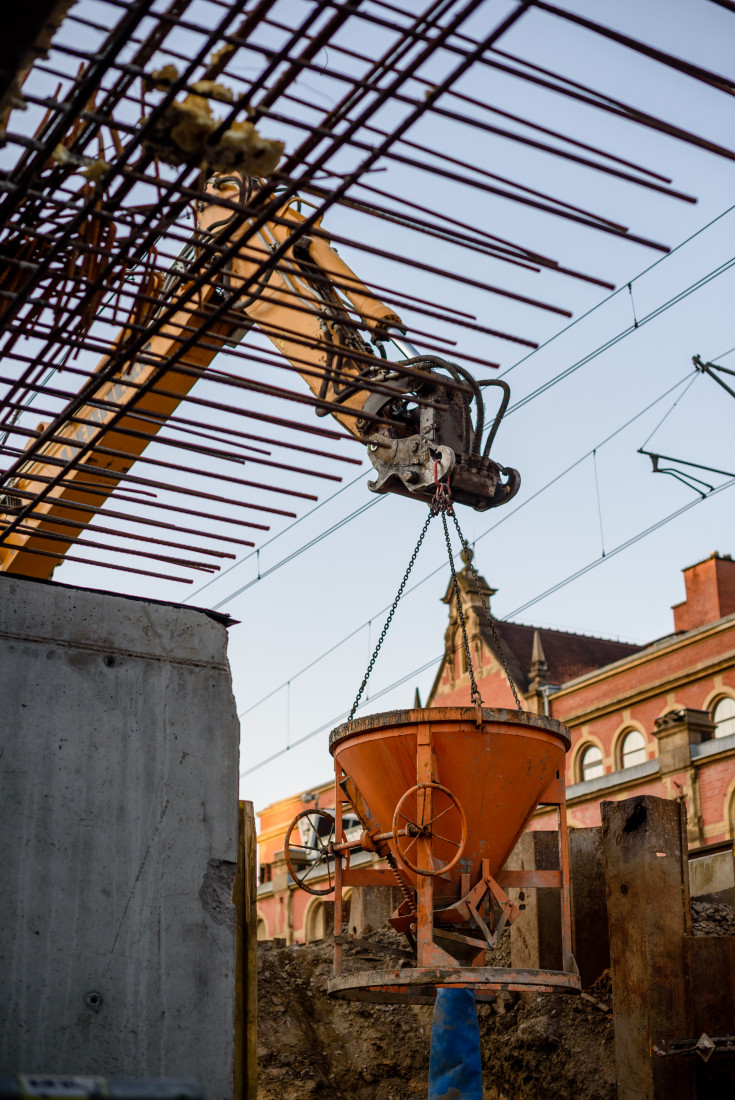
417, 700
539, 668
467, 584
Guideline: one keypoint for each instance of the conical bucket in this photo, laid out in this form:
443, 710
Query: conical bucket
497, 771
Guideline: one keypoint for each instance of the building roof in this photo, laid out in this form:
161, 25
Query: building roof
534, 654
566, 655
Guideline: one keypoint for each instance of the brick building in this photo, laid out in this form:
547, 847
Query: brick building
655, 719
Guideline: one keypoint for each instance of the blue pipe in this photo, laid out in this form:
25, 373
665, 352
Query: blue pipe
455, 1068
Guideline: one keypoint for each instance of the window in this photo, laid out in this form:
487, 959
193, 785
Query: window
591, 763
633, 749
724, 716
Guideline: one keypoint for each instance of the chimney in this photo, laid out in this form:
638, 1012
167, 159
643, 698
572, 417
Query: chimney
710, 589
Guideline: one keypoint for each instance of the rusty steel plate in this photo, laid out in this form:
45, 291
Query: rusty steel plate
491, 715
419, 985
497, 767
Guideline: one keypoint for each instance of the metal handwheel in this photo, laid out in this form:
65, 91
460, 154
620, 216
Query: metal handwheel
314, 859
417, 817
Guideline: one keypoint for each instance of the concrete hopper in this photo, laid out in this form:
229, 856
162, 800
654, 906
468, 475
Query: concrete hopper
497, 771
443, 795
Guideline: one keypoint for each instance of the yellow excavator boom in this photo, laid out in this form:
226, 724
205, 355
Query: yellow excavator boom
413, 415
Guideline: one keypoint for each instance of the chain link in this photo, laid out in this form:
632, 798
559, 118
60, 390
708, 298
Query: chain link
390, 614
474, 690
496, 637
442, 505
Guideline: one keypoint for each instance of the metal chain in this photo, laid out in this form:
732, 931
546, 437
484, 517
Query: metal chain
474, 690
498, 644
390, 614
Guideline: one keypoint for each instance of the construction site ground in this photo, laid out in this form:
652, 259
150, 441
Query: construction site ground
533, 1046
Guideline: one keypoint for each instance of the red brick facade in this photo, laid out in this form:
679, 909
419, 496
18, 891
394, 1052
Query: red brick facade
655, 703
618, 690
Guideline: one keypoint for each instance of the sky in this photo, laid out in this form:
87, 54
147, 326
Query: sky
307, 627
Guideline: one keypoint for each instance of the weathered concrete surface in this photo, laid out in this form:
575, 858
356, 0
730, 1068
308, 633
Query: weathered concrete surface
535, 937
118, 826
712, 876
370, 908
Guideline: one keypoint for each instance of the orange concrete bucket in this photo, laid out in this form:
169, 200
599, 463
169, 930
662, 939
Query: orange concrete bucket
487, 778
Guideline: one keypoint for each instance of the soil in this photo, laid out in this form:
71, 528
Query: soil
534, 1046
712, 919
312, 1046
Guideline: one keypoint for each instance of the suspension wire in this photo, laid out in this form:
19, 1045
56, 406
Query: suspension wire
632, 305
619, 290
668, 414
599, 503
536, 599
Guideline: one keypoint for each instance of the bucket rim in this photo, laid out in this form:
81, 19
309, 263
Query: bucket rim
386, 719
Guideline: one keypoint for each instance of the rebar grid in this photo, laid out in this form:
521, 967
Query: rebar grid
93, 220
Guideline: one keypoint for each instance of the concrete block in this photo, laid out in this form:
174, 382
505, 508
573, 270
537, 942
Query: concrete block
119, 834
712, 876
535, 937
370, 908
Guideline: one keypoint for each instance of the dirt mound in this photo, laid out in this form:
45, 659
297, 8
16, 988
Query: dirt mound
533, 1047
312, 1046
712, 919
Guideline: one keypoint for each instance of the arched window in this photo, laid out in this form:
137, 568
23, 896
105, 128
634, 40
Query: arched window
723, 714
316, 921
590, 765
262, 929
632, 749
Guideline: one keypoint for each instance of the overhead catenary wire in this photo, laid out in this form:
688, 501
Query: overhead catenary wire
619, 290
432, 573
274, 538
674, 300
516, 611
625, 332
103, 109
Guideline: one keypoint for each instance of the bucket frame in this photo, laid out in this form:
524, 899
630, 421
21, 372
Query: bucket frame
436, 968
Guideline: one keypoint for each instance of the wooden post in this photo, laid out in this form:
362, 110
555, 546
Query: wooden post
648, 917
589, 904
244, 895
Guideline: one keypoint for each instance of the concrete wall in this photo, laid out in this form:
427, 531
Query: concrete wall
118, 832
712, 876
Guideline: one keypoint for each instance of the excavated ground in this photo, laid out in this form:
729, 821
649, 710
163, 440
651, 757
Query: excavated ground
533, 1047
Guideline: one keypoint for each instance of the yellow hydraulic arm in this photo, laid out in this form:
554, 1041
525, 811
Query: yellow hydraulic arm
417, 421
